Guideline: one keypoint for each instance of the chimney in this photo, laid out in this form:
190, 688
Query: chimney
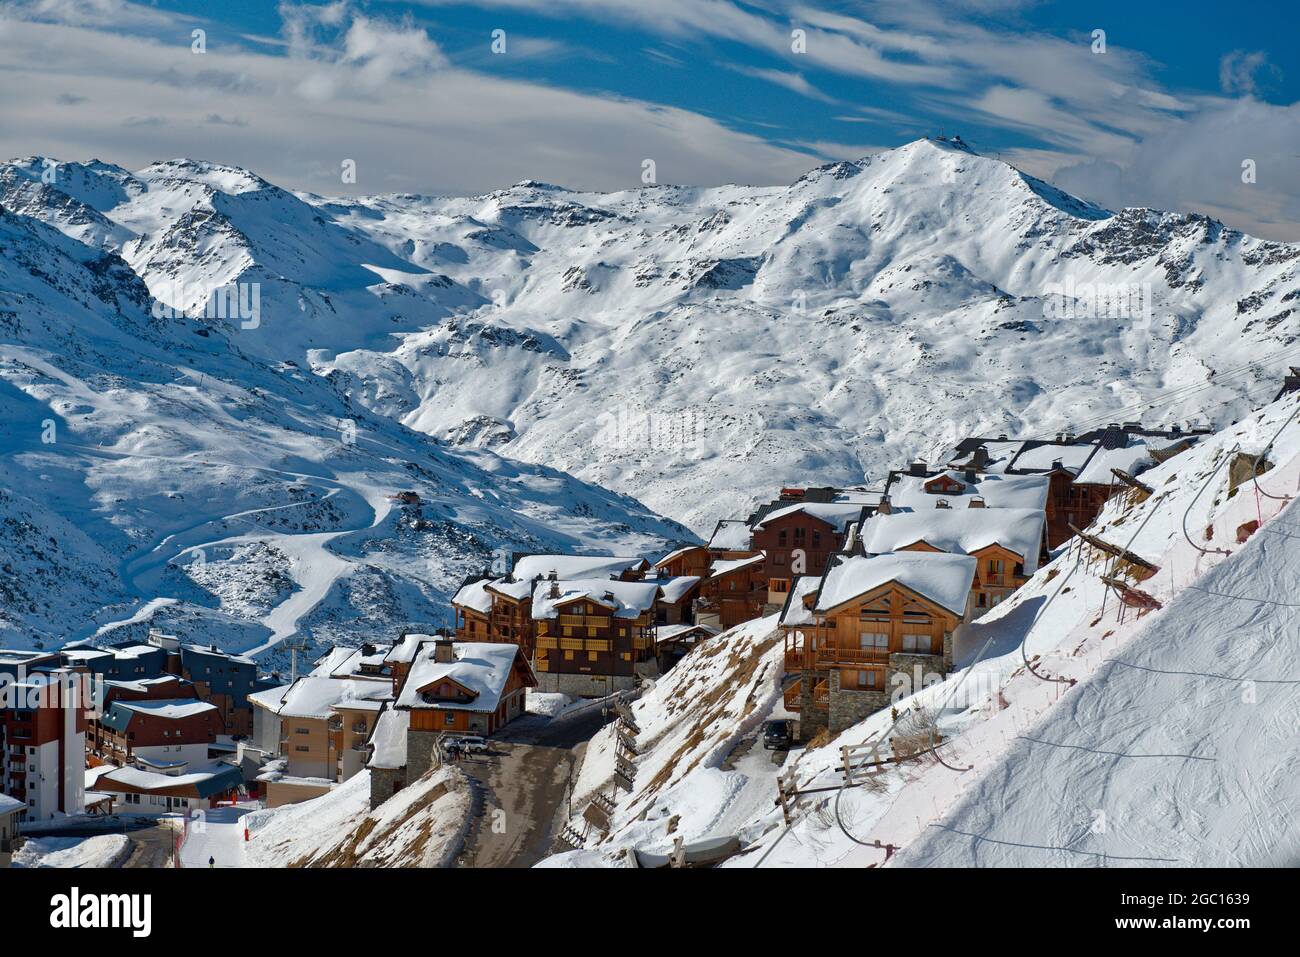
916, 468
970, 476
1002, 437
942, 503
976, 502
884, 508
1057, 465
443, 653
980, 458
554, 590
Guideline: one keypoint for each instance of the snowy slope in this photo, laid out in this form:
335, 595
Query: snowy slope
697, 347
150, 468
1165, 739
423, 825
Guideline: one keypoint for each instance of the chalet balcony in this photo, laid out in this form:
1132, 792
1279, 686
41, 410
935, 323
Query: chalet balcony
547, 641
822, 694
794, 659
794, 696
831, 655
584, 621
360, 728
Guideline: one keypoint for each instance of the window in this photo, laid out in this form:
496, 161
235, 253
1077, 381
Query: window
866, 679
917, 644
873, 640
995, 566
448, 719
302, 747
799, 535
779, 585
780, 537
817, 538
778, 559
301, 730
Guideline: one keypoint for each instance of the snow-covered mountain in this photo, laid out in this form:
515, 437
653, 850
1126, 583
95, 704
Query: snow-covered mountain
696, 347
153, 470
692, 347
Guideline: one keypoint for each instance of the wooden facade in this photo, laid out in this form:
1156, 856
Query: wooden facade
586, 638
734, 596
453, 707
999, 573
852, 658
797, 543
692, 560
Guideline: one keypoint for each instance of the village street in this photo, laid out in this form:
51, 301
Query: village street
522, 786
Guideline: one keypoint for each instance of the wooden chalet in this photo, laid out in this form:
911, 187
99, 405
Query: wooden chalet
692, 560
1008, 543
594, 635
501, 609
734, 592
798, 538
450, 688
878, 623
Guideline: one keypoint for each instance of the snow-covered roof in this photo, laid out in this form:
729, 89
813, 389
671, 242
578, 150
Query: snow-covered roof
10, 805
676, 588
678, 553
998, 491
959, 530
834, 514
1039, 458
481, 667
730, 535
667, 633
208, 781
723, 566
342, 661
1000, 454
389, 740
942, 578
475, 596
142, 685
575, 566
627, 599
796, 613
1133, 459
315, 697
210, 651
171, 709
403, 652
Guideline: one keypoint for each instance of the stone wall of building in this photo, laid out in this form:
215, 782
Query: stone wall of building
584, 686
812, 717
849, 706
384, 783
420, 749
920, 670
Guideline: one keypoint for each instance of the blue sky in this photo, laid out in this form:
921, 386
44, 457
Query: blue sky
711, 89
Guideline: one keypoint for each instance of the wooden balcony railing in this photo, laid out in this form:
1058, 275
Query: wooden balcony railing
793, 659
793, 695
829, 654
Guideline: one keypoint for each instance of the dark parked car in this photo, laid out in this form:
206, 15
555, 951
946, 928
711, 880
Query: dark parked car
778, 734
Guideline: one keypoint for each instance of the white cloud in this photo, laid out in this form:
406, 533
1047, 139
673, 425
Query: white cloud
449, 130
1239, 72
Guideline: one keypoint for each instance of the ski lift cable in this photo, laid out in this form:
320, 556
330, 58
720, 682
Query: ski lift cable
1254, 465
1182, 392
